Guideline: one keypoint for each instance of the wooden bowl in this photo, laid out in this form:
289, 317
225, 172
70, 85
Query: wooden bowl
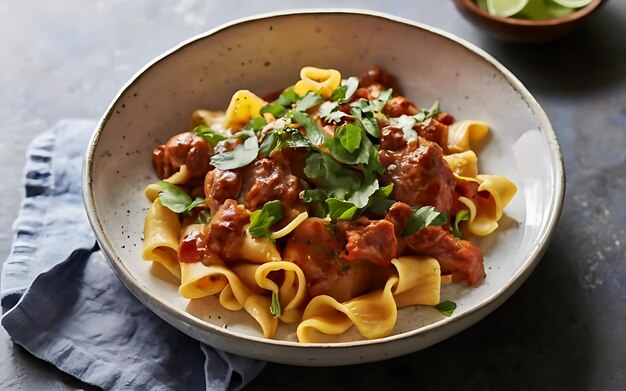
525, 30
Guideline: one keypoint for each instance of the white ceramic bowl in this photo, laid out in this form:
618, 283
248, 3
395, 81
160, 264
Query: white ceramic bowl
264, 54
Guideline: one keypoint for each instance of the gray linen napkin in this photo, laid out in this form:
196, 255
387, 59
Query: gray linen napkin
62, 302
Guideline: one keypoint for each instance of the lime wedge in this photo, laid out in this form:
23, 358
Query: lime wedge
505, 8
573, 3
543, 9
482, 4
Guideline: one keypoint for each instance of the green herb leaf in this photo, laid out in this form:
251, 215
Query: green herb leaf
256, 124
349, 136
176, 199
275, 309
287, 98
313, 132
311, 99
379, 203
209, 135
261, 220
425, 114
283, 138
344, 92
361, 196
274, 109
311, 195
241, 156
329, 112
461, 215
423, 217
340, 209
446, 307
270, 143
338, 181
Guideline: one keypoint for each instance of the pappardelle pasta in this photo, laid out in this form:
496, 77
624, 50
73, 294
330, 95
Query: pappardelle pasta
329, 205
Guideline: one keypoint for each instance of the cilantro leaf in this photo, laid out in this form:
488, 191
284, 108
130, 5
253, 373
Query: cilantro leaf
209, 135
362, 195
461, 215
256, 124
274, 109
423, 217
344, 92
262, 219
275, 309
311, 195
281, 106
176, 199
283, 138
313, 132
446, 307
349, 136
329, 111
340, 209
311, 99
379, 202
287, 98
425, 114
241, 156
327, 173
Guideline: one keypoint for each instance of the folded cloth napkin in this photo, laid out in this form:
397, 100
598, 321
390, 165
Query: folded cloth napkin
62, 302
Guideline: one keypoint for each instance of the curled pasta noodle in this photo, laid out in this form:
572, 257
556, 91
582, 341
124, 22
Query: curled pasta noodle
463, 133
417, 281
286, 230
463, 163
244, 105
199, 280
485, 214
321, 81
161, 235
258, 250
292, 291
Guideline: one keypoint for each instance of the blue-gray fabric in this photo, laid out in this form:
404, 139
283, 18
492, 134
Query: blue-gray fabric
62, 302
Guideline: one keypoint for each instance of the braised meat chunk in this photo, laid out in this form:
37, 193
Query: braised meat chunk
419, 175
184, 148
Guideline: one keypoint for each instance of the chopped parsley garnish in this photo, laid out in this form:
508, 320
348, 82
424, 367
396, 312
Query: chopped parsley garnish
461, 215
176, 199
311, 99
286, 137
423, 217
313, 132
241, 156
262, 219
446, 307
344, 92
275, 309
209, 135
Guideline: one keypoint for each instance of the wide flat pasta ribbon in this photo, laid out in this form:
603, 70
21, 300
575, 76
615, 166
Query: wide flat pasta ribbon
161, 237
487, 211
291, 292
463, 133
417, 281
463, 164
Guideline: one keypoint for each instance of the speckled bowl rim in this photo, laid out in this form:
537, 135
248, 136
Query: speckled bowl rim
454, 324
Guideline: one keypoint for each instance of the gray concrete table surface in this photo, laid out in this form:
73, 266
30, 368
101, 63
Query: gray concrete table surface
565, 327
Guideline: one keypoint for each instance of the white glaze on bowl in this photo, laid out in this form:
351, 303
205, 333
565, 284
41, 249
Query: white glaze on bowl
264, 54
